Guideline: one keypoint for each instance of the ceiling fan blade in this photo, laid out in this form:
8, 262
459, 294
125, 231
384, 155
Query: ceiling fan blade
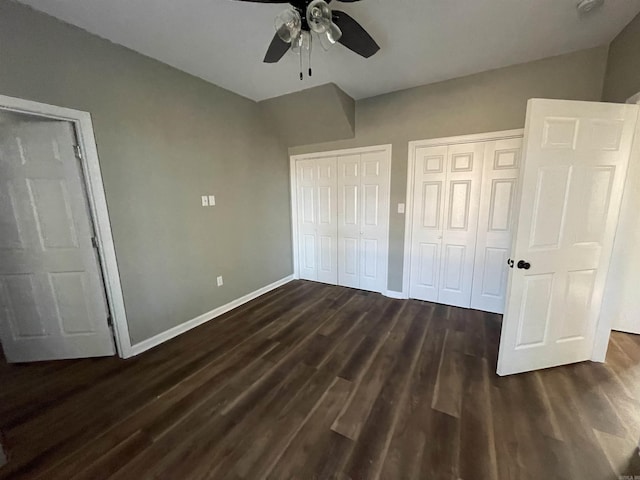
276, 50
354, 37
264, 1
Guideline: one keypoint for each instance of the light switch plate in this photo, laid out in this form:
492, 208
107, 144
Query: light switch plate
212, 200
401, 208
220, 282
205, 201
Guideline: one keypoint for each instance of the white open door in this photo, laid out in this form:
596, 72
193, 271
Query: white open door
52, 299
575, 159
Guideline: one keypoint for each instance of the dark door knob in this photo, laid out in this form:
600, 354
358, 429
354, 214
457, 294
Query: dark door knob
510, 263
524, 265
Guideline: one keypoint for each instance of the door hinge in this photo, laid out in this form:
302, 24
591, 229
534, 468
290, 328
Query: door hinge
112, 329
94, 242
78, 151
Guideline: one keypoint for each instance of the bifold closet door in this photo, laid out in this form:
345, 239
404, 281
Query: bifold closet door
374, 226
496, 220
349, 221
317, 222
447, 185
363, 220
460, 225
428, 207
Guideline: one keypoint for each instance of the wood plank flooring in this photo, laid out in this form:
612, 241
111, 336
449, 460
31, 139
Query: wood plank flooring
313, 381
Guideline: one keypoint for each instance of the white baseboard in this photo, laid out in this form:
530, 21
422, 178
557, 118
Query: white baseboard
395, 294
145, 345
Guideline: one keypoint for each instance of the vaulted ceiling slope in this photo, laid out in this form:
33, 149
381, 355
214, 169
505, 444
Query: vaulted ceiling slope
423, 41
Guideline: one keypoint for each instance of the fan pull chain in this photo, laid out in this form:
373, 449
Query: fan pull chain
310, 45
301, 76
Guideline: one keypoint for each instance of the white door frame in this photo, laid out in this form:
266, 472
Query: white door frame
97, 203
411, 166
294, 202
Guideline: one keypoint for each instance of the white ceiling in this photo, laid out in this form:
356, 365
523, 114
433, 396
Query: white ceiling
423, 41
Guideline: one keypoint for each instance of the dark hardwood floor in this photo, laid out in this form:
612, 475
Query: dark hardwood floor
313, 381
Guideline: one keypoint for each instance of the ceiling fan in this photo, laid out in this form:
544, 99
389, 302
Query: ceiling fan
295, 25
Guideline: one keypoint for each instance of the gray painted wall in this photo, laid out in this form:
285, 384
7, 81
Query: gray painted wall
622, 78
164, 138
489, 101
314, 115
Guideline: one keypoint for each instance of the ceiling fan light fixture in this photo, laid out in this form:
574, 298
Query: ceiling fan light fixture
319, 16
329, 38
288, 25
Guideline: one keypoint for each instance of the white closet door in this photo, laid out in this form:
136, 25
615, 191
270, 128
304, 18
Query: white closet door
462, 198
327, 223
349, 221
307, 222
428, 211
374, 220
501, 167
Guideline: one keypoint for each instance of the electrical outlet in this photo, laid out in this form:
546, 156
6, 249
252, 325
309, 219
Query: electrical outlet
212, 200
205, 201
401, 208
220, 282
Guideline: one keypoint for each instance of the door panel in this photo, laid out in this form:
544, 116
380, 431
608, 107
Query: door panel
376, 171
426, 230
349, 221
20, 297
535, 310
52, 299
462, 198
574, 166
327, 229
307, 224
453, 271
495, 224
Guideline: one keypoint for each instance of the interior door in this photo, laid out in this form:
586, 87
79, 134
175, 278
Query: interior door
428, 212
374, 220
575, 159
307, 222
327, 231
52, 300
460, 223
349, 211
495, 224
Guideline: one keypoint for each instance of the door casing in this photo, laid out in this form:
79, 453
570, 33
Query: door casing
83, 126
